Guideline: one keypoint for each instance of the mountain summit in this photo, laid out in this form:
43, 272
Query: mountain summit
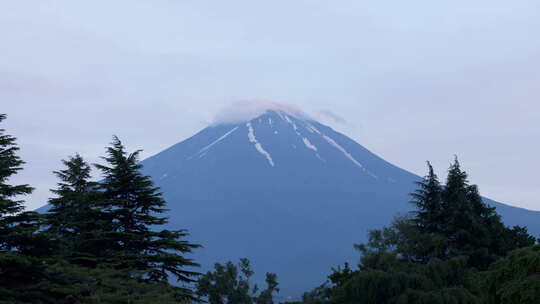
285, 191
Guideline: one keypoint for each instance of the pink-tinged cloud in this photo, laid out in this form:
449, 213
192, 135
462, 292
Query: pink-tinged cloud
246, 110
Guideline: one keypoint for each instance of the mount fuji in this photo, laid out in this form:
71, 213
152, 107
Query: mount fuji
287, 192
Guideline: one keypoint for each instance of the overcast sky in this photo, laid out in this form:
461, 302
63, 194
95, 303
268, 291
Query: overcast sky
410, 80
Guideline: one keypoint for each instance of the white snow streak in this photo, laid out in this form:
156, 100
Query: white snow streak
319, 157
280, 115
312, 129
348, 155
258, 146
288, 119
218, 140
291, 122
340, 148
309, 145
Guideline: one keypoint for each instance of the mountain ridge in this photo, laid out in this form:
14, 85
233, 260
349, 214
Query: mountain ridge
291, 194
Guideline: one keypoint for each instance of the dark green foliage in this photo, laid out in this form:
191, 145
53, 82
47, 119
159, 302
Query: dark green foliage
132, 205
68, 283
229, 284
428, 201
318, 295
107, 249
75, 195
19, 245
433, 255
10, 164
267, 296
97, 244
453, 221
75, 222
514, 279
384, 277
15, 227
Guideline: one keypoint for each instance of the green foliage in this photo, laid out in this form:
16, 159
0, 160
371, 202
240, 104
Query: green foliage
76, 222
515, 278
320, 294
16, 226
104, 243
132, 205
229, 283
19, 245
10, 164
76, 194
68, 283
97, 244
61, 282
428, 201
390, 279
434, 254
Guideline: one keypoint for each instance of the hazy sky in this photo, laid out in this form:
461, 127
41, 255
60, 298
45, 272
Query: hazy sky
410, 80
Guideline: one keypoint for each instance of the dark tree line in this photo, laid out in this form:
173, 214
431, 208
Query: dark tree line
100, 242
453, 249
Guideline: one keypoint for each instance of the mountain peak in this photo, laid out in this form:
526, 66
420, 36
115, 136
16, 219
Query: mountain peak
266, 177
245, 111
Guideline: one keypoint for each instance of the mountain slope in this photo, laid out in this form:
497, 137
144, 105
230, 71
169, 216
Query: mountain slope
287, 192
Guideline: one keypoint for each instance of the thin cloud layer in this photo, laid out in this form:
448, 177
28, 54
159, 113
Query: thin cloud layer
241, 111
333, 116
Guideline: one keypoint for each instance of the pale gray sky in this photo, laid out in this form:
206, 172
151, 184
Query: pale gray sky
410, 80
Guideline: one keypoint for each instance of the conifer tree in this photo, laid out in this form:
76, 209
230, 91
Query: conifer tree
75, 220
19, 247
434, 254
72, 197
472, 227
10, 206
427, 199
133, 206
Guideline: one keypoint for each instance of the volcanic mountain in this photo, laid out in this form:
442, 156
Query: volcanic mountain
287, 192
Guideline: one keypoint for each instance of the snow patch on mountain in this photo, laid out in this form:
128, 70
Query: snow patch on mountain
218, 140
288, 119
258, 146
312, 128
309, 145
340, 148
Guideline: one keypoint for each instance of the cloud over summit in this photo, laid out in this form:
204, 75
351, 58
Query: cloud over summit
241, 111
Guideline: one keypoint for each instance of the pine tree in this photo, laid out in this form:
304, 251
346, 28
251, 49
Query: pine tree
133, 206
472, 227
427, 199
10, 206
75, 220
72, 197
19, 246
433, 255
